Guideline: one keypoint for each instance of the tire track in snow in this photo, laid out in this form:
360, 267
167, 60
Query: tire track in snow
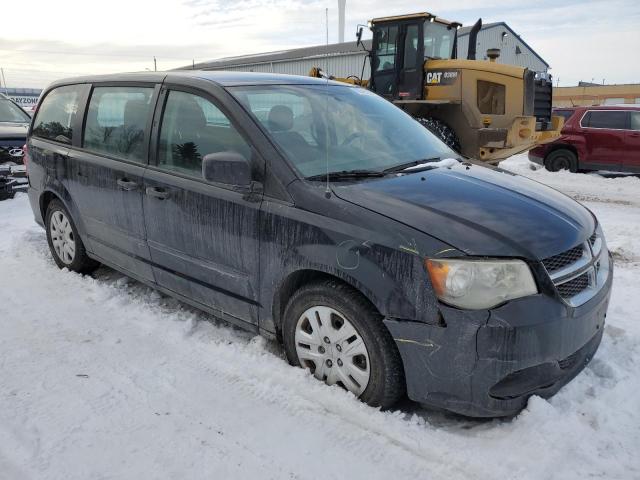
301, 397
269, 420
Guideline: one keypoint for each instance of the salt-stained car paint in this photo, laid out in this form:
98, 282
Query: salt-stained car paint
240, 252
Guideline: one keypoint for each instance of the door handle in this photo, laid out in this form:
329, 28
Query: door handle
157, 192
127, 185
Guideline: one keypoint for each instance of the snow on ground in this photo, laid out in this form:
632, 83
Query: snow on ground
104, 378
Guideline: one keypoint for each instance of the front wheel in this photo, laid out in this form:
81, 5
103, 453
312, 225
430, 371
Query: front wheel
330, 329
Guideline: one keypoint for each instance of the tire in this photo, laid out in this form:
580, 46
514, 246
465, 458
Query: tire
64, 241
354, 327
443, 131
561, 159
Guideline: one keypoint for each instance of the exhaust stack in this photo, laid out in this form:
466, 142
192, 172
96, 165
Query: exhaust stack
341, 8
473, 38
493, 54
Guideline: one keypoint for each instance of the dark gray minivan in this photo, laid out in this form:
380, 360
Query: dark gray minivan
323, 216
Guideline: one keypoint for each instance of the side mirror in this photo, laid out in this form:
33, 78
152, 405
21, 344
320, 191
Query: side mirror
359, 37
229, 168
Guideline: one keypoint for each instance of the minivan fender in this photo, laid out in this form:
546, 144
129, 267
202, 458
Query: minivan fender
54, 189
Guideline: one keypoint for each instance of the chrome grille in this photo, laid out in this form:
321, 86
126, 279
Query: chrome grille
574, 286
564, 259
580, 272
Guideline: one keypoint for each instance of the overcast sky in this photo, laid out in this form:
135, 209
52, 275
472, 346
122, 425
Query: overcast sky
45, 40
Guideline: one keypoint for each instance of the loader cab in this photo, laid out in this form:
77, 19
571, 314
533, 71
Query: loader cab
400, 47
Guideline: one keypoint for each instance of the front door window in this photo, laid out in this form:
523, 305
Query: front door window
193, 127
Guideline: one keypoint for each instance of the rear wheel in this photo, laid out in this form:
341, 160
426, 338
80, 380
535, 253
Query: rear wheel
441, 130
64, 242
561, 159
330, 329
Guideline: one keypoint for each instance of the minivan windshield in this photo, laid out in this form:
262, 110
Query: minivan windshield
336, 128
11, 113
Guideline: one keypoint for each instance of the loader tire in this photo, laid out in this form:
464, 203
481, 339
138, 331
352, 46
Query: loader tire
441, 130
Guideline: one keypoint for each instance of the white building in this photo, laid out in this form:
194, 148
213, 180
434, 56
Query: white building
338, 59
344, 59
513, 49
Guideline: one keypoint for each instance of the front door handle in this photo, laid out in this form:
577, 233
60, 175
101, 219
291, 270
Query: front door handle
157, 192
127, 185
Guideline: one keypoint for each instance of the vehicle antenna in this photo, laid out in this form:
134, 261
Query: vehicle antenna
327, 192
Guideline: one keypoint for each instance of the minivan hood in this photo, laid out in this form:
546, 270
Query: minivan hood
478, 210
13, 129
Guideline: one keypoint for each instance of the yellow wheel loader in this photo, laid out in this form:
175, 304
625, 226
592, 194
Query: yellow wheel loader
480, 108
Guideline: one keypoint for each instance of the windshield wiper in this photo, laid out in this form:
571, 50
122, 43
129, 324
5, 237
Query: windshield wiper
404, 166
347, 174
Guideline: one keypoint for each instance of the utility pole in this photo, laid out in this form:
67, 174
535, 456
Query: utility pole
193, 64
155, 65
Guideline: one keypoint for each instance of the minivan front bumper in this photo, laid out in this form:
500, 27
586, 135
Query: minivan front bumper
488, 363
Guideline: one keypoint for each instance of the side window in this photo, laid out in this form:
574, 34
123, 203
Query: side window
606, 119
386, 39
117, 121
192, 127
57, 114
491, 97
411, 47
635, 121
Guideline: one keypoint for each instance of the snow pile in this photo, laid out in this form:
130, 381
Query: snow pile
104, 378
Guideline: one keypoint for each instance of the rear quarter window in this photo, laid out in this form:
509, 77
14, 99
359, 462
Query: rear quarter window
57, 114
612, 120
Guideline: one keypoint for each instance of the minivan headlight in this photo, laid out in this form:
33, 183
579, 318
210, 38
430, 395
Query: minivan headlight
478, 284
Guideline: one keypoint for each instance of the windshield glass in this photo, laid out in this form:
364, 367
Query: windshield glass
354, 128
11, 113
438, 40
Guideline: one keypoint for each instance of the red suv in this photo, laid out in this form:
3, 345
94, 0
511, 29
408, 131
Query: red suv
594, 138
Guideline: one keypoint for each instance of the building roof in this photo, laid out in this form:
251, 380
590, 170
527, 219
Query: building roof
464, 31
22, 91
319, 51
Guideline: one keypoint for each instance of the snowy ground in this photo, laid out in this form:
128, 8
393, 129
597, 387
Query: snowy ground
104, 378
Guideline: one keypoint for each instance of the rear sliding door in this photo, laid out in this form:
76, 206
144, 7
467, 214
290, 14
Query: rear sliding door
106, 178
